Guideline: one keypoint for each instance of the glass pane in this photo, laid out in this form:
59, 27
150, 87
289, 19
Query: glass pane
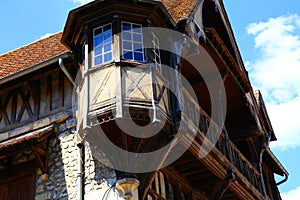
107, 29
137, 46
98, 41
138, 56
98, 60
97, 31
137, 37
98, 50
127, 45
137, 28
107, 38
107, 47
107, 57
128, 55
126, 35
126, 26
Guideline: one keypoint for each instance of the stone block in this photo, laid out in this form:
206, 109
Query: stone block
43, 196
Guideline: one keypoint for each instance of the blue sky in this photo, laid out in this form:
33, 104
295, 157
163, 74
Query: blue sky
268, 36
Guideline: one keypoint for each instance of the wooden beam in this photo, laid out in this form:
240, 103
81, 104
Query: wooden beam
61, 88
173, 175
40, 161
38, 149
14, 105
154, 195
219, 189
49, 93
3, 110
25, 105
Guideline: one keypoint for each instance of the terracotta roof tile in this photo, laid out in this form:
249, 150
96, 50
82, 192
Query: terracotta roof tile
31, 54
179, 9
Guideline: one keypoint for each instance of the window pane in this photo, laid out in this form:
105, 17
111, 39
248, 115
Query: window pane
136, 28
126, 26
107, 29
126, 35
98, 60
107, 47
107, 38
138, 56
128, 55
137, 46
127, 45
97, 31
98, 50
98, 41
107, 57
137, 37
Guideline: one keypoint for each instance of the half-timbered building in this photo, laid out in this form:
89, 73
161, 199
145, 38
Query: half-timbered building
141, 75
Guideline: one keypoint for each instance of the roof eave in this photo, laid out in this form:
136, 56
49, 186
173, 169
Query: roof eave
34, 68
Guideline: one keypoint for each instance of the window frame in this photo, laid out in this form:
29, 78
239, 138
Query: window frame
102, 45
156, 52
132, 41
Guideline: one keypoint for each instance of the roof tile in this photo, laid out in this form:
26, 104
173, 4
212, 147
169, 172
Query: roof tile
179, 9
31, 54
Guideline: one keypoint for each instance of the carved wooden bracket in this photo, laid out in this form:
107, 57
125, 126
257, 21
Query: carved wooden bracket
41, 156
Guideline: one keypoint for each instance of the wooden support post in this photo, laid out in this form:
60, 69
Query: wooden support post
119, 93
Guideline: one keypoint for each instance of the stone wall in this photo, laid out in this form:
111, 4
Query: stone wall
99, 178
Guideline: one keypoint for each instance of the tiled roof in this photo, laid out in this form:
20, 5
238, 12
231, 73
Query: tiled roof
179, 9
31, 54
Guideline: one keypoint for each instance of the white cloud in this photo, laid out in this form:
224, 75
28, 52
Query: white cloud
276, 72
46, 35
291, 195
285, 121
80, 2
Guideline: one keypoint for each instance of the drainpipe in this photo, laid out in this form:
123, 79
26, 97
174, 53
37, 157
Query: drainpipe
64, 69
284, 180
264, 147
80, 171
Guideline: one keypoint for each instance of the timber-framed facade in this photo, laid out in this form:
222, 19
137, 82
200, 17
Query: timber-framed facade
104, 70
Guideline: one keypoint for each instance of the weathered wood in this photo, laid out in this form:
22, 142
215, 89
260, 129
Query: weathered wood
49, 93
173, 176
3, 112
219, 189
155, 195
25, 105
14, 108
61, 89
38, 150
